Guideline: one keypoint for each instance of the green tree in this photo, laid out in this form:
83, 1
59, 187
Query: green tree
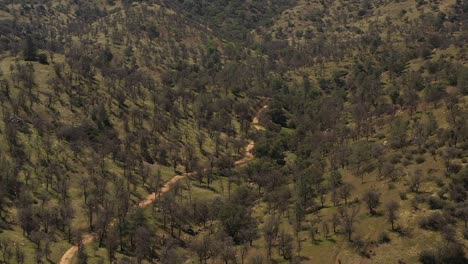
362, 157
372, 199
398, 133
434, 92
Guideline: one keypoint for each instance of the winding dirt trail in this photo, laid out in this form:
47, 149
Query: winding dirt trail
248, 156
71, 252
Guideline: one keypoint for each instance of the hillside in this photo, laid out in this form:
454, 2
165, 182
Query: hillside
98, 104
308, 131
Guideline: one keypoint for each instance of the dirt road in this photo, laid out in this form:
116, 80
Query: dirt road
71, 252
248, 156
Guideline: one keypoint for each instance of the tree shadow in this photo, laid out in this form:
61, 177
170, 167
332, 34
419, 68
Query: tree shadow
205, 187
403, 231
377, 214
303, 259
316, 241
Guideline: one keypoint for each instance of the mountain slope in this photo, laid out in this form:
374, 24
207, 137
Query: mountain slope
361, 156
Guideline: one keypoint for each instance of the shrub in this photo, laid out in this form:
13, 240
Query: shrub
454, 168
404, 231
420, 159
428, 257
435, 221
448, 253
439, 182
403, 196
406, 163
380, 136
452, 253
442, 192
415, 203
384, 237
395, 158
420, 198
436, 203
409, 156
42, 58
362, 247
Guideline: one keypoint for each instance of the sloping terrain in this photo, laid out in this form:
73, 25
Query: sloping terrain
360, 156
370, 107
103, 102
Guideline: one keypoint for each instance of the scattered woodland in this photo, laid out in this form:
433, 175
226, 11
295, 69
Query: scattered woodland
216, 131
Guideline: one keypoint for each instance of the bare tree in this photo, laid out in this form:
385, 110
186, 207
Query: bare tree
348, 219
415, 180
325, 229
19, 253
112, 242
202, 245
270, 232
335, 220
227, 251
285, 244
345, 192
143, 243
392, 215
244, 252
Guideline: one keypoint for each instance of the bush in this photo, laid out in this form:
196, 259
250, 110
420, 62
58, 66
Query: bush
409, 156
435, 221
415, 203
420, 198
362, 247
436, 203
395, 158
403, 196
380, 136
454, 168
404, 231
446, 254
420, 159
428, 257
384, 237
452, 253
439, 182
406, 163
42, 58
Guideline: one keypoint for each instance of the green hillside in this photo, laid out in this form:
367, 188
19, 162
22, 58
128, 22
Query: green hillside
308, 131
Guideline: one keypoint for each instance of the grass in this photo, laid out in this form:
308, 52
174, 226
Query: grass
16, 237
324, 251
33, 146
369, 227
